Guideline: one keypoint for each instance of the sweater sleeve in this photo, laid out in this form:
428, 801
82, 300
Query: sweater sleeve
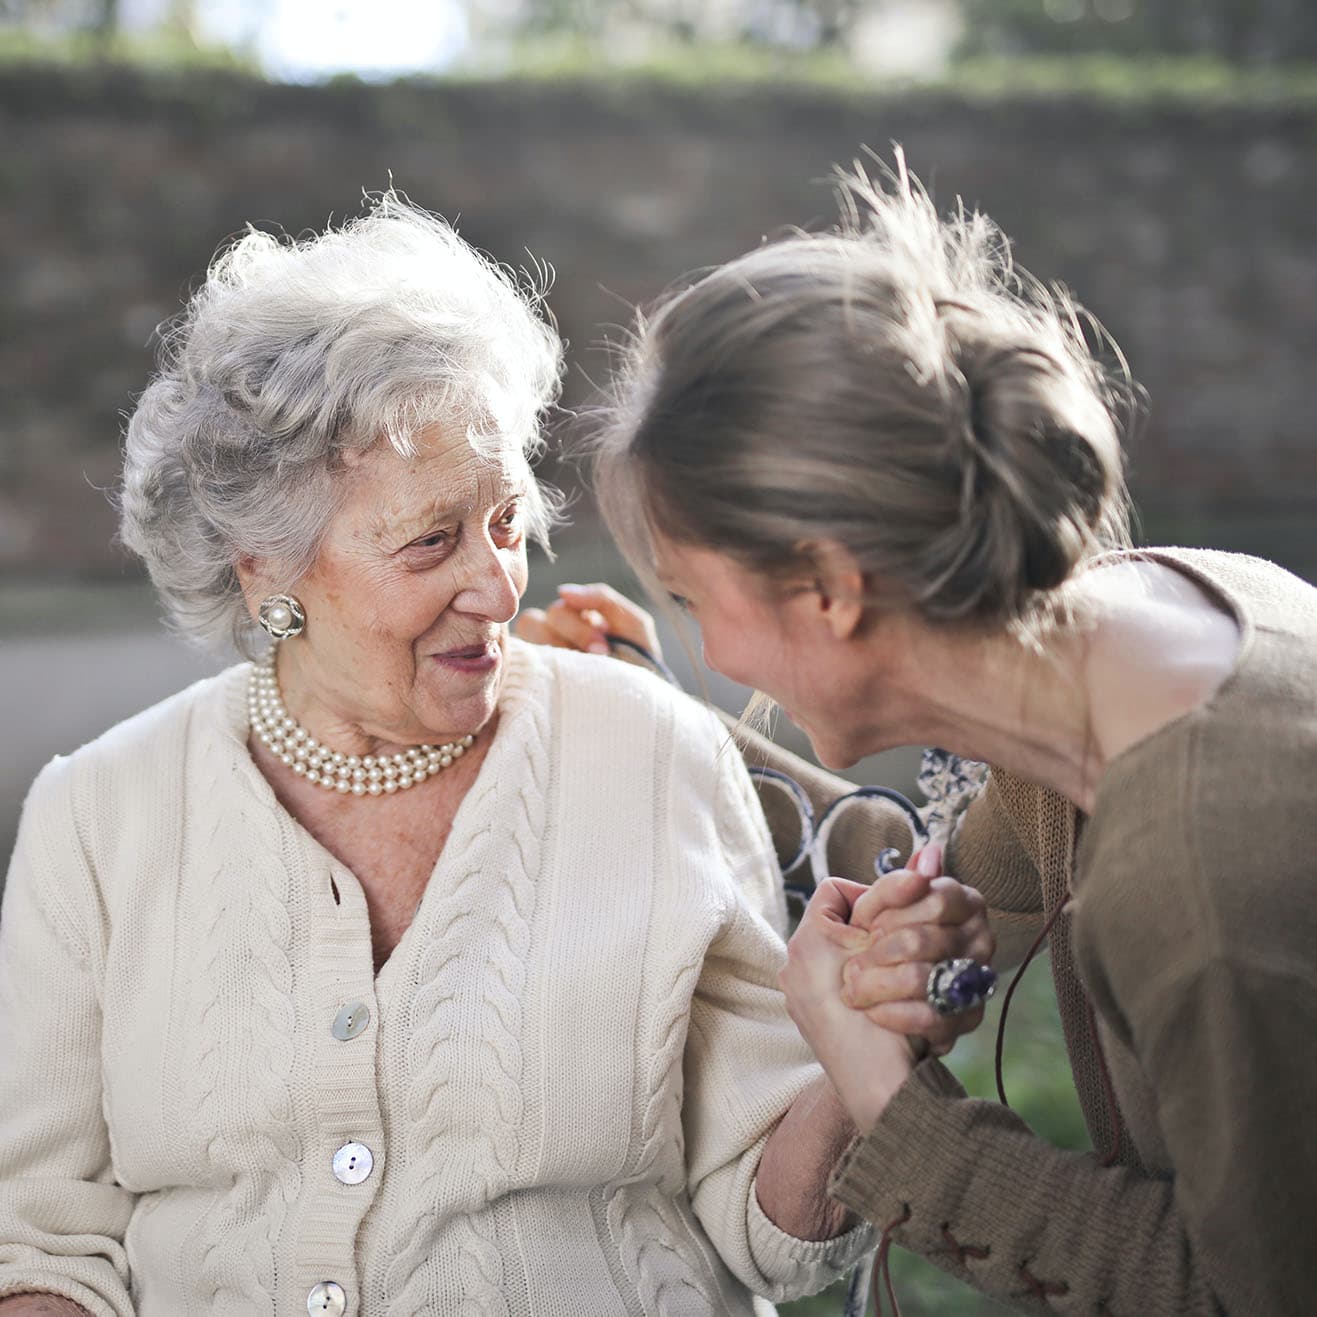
1056, 1231
984, 1198
986, 852
62, 1217
744, 1065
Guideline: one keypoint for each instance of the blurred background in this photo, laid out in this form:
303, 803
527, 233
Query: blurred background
1157, 156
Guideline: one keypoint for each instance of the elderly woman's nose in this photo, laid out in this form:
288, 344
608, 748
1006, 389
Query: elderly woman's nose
494, 585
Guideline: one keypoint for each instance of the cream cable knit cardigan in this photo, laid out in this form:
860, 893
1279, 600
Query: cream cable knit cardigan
572, 1061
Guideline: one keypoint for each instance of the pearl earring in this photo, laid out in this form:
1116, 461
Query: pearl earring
282, 616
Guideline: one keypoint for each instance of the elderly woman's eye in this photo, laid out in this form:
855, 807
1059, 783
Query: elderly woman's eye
681, 601
510, 517
438, 539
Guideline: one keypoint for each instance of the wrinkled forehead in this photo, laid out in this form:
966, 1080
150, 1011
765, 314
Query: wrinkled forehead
451, 475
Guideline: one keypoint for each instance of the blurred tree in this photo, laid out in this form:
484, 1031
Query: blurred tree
105, 23
1237, 31
798, 24
101, 18
181, 18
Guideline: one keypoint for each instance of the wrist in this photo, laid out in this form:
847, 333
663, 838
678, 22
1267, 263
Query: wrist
866, 1085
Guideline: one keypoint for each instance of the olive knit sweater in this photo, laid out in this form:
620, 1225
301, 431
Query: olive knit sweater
1185, 963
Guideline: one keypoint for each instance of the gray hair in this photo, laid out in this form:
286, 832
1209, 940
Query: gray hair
895, 385
292, 353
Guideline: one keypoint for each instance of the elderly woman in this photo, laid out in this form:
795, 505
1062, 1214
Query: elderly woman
882, 469
407, 968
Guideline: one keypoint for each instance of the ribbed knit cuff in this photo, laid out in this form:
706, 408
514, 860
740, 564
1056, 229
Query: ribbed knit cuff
803, 1266
883, 1171
28, 1280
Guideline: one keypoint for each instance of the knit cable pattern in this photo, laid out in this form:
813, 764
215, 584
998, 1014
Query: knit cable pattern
489, 906
645, 1223
246, 970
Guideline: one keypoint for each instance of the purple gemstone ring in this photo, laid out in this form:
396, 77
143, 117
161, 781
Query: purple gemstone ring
957, 986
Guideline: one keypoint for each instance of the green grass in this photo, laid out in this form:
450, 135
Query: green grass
1038, 1084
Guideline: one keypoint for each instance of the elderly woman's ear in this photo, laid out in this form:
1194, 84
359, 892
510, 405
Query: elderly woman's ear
250, 573
257, 583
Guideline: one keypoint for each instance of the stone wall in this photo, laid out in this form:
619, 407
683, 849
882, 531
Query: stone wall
1188, 229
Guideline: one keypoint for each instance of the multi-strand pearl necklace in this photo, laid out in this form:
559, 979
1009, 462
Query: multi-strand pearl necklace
357, 775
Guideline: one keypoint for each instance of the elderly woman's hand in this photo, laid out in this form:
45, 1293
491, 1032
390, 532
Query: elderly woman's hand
866, 1063
913, 918
583, 615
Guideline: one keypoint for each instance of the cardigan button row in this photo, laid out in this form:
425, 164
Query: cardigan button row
352, 1163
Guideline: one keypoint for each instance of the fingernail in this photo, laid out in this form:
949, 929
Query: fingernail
598, 647
928, 864
571, 589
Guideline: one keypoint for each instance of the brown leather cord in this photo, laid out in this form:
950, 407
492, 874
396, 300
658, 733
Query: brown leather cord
1042, 1289
963, 1251
1010, 992
882, 1266
1108, 1088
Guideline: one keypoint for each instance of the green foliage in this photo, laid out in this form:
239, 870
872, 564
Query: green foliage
1103, 78
164, 48
786, 24
709, 64
717, 67
1195, 79
1238, 31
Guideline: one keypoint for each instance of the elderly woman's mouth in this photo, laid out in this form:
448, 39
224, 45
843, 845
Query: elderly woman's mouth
471, 658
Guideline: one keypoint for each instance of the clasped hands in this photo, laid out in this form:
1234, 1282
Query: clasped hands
857, 972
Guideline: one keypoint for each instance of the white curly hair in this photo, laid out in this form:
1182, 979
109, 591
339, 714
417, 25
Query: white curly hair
293, 352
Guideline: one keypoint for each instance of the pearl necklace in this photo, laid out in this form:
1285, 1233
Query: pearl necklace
365, 775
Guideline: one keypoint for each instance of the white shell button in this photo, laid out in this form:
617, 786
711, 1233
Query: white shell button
353, 1163
350, 1021
326, 1298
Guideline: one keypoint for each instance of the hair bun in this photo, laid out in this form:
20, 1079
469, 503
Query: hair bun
1041, 484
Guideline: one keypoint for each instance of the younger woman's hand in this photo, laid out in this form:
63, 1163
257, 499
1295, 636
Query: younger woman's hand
915, 918
583, 615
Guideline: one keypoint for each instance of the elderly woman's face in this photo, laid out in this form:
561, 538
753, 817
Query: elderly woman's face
408, 602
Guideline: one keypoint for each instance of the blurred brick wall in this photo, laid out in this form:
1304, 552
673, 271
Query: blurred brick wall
1188, 230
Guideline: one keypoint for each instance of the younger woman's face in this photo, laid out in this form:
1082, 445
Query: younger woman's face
771, 636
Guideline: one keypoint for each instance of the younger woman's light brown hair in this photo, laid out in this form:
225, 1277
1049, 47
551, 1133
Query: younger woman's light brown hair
896, 385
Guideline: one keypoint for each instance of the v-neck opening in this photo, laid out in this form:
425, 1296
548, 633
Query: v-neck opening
508, 708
